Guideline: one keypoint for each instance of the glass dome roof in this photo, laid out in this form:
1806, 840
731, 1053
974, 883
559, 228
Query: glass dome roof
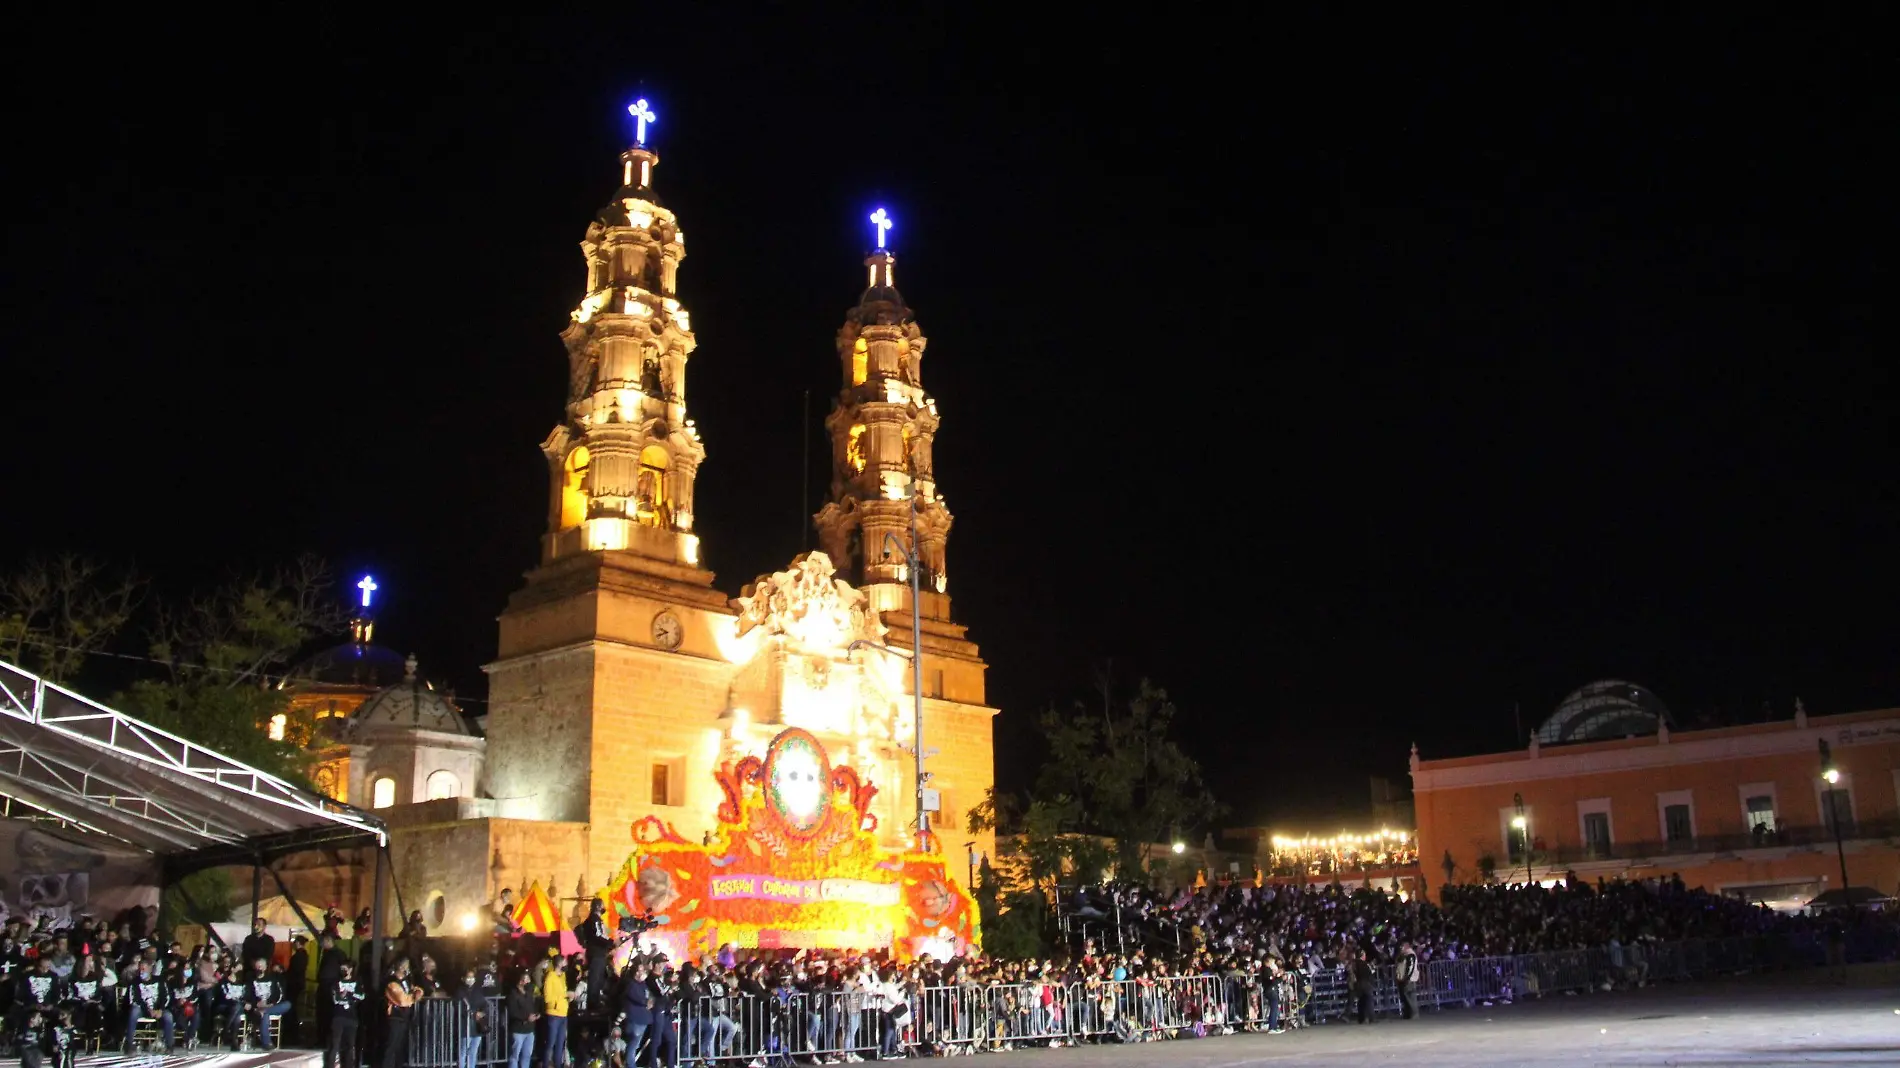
1609, 708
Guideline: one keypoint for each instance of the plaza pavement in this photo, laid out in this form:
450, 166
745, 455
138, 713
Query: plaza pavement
1777, 1020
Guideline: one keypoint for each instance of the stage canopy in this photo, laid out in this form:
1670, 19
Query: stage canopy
98, 769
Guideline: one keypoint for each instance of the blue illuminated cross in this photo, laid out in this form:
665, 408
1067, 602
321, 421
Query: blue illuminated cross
641, 116
882, 222
368, 586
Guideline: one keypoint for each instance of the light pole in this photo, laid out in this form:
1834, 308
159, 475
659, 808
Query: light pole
1523, 827
913, 563
1832, 776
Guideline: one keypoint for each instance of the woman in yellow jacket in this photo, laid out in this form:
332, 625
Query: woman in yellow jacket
554, 1007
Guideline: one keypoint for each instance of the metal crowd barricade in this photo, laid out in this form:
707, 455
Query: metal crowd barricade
742, 1029
438, 1026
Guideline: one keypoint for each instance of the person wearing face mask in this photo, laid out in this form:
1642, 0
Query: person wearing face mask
147, 998
636, 1008
523, 1013
345, 994
664, 1005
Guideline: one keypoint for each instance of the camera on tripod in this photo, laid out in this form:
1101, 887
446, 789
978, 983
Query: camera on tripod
634, 925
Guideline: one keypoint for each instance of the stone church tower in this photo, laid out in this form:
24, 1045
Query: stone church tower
882, 430
625, 677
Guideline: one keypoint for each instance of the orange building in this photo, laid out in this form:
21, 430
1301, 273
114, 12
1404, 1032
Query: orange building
1606, 789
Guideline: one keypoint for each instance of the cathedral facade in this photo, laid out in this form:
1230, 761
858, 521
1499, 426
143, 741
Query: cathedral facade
626, 675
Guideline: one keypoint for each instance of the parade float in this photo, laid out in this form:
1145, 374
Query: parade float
793, 863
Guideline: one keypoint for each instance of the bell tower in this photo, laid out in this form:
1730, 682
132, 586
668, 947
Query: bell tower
623, 462
882, 430
610, 668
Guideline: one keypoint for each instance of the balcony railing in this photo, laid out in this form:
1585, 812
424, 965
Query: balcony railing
1811, 835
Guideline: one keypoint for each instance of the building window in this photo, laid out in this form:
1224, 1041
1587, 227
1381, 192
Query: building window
1596, 833
1594, 827
653, 503
443, 784
1516, 839
574, 488
1837, 803
438, 908
382, 792
1761, 814
277, 724
662, 784
1678, 828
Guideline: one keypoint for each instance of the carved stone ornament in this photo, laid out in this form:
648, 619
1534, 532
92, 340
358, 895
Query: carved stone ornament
815, 611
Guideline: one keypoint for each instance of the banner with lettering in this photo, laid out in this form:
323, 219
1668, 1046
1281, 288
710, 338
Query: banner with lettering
794, 864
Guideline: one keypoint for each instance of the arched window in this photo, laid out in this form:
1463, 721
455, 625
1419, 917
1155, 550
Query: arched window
860, 362
854, 448
382, 792
443, 784
654, 506
574, 489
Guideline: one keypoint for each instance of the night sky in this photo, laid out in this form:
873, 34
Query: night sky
1356, 382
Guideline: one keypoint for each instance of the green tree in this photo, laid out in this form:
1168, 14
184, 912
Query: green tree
210, 894
1124, 777
54, 613
225, 652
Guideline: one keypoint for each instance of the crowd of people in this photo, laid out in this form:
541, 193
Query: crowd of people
1471, 921
1134, 964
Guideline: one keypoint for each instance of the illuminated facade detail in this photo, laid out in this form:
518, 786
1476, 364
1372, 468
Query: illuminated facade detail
368, 586
882, 221
854, 449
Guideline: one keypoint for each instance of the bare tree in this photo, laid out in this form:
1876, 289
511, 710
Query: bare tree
54, 613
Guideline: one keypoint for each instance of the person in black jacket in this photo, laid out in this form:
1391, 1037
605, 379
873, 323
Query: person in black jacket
259, 943
231, 990
62, 1040
599, 944
86, 996
295, 976
399, 999
663, 1002
1361, 972
38, 990
32, 1036
330, 965
147, 997
263, 999
475, 1016
522, 1014
339, 1040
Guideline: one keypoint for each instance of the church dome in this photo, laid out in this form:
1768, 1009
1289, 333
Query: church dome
356, 665
881, 305
1609, 708
410, 704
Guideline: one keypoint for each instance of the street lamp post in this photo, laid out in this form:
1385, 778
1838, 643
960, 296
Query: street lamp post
1523, 827
1832, 776
913, 563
